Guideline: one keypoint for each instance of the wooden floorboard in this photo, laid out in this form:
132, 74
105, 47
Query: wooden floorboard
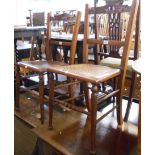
70, 134
24, 138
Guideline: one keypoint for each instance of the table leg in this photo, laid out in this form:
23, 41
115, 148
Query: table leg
39, 42
41, 94
79, 51
65, 51
51, 84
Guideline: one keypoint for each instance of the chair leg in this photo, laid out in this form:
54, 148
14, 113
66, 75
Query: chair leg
133, 79
41, 94
93, 119
119, 109
119, 98
17, 87
51, 84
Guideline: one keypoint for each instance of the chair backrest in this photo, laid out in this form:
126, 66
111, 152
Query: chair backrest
39, 19
69, 43
126, 43
113, 23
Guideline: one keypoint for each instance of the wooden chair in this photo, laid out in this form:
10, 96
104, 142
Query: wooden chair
92, 75
64, 23
114, 24
41, 66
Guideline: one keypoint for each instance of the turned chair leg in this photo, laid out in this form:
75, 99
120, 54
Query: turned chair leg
119, 99
93, 119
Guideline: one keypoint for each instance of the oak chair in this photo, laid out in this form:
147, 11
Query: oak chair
114, 24
41, 66
92, 75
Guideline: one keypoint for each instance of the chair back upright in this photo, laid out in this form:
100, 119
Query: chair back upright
72, 43
125, 44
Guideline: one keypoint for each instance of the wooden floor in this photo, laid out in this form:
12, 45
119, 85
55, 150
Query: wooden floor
72, 137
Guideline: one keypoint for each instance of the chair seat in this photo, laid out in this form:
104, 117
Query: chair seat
39, 65
87, 72
115, 63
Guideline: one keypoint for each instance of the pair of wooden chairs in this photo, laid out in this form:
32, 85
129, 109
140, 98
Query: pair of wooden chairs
41, 66
91, 75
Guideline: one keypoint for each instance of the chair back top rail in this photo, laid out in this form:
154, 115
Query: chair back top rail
109, 9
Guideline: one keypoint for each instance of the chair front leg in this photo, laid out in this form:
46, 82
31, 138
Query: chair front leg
93, 110
41, 94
